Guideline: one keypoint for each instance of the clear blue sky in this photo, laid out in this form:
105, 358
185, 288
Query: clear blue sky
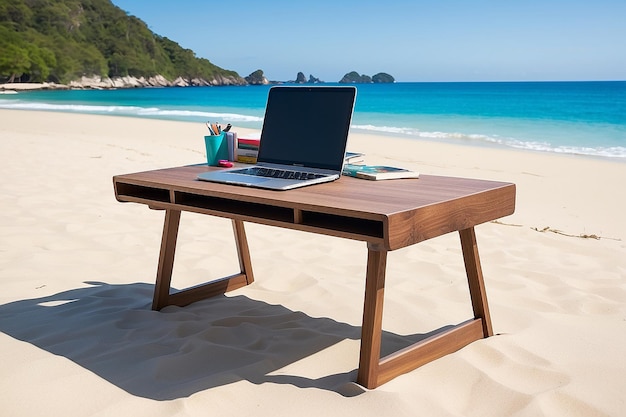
413, 40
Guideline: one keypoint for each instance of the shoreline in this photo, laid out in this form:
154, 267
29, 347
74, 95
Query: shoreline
578, 135
357, 130
77, 272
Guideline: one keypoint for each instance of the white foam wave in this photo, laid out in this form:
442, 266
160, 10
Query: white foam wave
232, 117
385, 129
128, 111
64, 107
608, 152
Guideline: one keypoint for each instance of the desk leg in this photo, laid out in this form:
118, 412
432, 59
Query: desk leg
475, 279
166, 259
243, 251
162, 296
374, 371
371, 330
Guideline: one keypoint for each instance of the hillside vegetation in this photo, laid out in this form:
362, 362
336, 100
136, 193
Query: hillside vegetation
63, 40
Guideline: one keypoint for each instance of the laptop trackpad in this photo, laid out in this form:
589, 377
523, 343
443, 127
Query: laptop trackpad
249, 179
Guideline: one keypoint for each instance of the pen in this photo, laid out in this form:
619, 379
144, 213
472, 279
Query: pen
216, 129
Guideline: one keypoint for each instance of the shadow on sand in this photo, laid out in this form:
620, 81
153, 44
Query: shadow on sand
111, 331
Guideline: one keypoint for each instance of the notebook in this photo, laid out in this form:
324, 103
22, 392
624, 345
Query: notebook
303, 139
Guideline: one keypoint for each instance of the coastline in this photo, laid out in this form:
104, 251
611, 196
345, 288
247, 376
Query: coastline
562, 118
77, 333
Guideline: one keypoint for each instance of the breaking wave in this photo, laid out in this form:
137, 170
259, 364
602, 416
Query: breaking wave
133, 111
478, 139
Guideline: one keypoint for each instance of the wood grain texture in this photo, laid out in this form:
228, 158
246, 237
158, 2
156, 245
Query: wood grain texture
394, 213
166, 259
475, 279
442, 343
371, 330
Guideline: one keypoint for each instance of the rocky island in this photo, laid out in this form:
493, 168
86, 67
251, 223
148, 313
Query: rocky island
355, 78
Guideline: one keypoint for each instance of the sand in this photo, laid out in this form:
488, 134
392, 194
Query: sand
78, 337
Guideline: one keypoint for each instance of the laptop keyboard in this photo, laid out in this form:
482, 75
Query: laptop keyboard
279, 173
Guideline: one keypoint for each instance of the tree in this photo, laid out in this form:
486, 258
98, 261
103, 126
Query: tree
41, 61
14, 59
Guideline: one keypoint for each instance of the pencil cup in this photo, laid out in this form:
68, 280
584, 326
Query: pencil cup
216, 148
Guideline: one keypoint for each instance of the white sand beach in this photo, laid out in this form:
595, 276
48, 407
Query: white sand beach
77, 268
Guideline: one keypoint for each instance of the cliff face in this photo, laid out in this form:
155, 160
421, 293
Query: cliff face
99, 83
156, 81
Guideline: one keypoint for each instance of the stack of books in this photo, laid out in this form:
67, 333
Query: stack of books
247, 150
377, 172
242, 149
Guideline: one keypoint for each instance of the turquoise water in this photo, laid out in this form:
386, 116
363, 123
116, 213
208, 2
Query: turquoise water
586, 118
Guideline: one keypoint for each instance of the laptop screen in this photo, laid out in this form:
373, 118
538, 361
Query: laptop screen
307, 126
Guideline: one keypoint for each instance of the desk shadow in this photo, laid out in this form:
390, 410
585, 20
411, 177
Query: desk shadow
111, 331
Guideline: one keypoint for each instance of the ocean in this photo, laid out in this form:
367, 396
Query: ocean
582, 118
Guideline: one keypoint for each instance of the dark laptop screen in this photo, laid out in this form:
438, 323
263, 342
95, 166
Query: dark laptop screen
307, 126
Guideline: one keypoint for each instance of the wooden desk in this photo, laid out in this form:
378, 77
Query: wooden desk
388, 215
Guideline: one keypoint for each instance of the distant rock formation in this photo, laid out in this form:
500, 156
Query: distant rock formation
383, 78
356, 78
257, 78
301, 79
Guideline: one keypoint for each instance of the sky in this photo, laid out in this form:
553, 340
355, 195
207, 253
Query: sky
413, 40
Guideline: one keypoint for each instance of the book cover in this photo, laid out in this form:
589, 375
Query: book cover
231, 138
245, 143
377, 172
247, 150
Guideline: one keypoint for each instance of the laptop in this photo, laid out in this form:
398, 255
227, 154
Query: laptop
303, 139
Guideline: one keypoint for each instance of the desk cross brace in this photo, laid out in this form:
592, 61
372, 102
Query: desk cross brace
162, 296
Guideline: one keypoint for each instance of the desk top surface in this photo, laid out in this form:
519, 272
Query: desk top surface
428, 206
386, 197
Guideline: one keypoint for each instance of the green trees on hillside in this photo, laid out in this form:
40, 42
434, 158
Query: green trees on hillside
62, 40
